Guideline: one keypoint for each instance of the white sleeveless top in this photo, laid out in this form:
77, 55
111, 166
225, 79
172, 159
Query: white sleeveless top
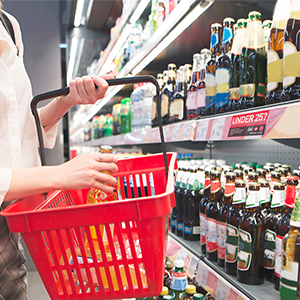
18, 137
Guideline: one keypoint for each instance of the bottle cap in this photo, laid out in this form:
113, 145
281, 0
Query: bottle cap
198, 296
171, 66
216, 25
190, 289
205, 51
196, 56
228, 20
253, 164
165, 291
267, 23
179, 264
168, 297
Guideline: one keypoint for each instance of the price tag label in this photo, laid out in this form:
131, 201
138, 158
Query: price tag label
202, 130
202, 274
181, 255
223, 291
176, 132
217, 129
187, 129
192, 267
154, 136
168, 133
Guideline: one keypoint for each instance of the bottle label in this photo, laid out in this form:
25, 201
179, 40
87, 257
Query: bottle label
173, 223
211, 235
278, 198
245, 251
215, 186
227, 35
153, 111
179, 226
278, 257
179, 281
188, 229
253, 199
210, 89
191, 101
239, 195
290, 193
269, 249
201, 96
247, 90
275, 70
234, 94
203, 229
261, 90
164, 105
289, 279
214, 40
161, 13
222, 90
221, 240
232, 238
291, 69
176, 108
264, 195
229, 189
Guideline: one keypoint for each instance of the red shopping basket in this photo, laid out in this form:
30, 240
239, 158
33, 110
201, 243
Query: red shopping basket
127, 258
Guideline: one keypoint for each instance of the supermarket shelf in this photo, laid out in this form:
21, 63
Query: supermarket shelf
267, 122
209, 274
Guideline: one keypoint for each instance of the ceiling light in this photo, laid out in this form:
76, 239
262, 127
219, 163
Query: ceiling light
138, 11
72, 58
78, 13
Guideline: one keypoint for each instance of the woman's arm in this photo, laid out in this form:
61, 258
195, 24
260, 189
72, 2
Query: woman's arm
82, 91
84, 171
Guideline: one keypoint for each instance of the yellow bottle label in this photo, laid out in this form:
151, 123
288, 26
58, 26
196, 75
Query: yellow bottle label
275, 70
176, 108
164, 105
291, 68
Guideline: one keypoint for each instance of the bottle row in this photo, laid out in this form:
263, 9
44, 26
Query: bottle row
242, 219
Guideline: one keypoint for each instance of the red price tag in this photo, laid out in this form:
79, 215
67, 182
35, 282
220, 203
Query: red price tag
248, 124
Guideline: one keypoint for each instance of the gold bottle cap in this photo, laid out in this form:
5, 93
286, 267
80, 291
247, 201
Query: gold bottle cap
106, 149
165, 291
190, 289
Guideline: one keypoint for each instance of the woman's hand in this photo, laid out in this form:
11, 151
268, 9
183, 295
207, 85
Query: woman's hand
85, 171
83, 91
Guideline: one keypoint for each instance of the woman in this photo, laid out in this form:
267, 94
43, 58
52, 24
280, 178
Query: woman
20, 172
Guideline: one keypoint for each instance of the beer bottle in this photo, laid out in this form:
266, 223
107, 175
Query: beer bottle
160, 80
232, 221
250, 251
191, 230
191, 101
223, 212
174, 209
261, 173
253, 64
265, 198
210, 71
202, 208
283, 223
189, 72
198, 296
222, 67
201, 93
275, 51
234, 70
167, 93
211, 213
266, 25
275, 177
238, 174
163, 293
289, 277
291, 77
178, 100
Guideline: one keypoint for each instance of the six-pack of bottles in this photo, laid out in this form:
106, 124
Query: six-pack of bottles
249, 64
240, 214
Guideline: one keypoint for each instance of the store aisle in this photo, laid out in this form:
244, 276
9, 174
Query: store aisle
36, 289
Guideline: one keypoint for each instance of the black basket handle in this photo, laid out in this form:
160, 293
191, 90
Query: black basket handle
111, 82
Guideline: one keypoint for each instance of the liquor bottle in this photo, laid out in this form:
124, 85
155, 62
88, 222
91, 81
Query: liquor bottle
232, 221
283, 224
191, 101
161, 12
178, 101
211, 213
201, 93
167, 93
189, 73
234, 70
289, 277
275, 51
223, 66
202, 208
253, 64
160, 80
250, 252
291, 76
210, 71
191, 230
222, 217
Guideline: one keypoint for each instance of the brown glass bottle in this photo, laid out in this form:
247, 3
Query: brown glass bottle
223, 66
167, 93
202, 207
223, 212
265, 198
291, 79
160, 80
232, 220
211, 213
250, 254
283, 223
238, 174
210, 71
191, 101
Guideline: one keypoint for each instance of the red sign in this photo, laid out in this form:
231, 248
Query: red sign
253, 123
